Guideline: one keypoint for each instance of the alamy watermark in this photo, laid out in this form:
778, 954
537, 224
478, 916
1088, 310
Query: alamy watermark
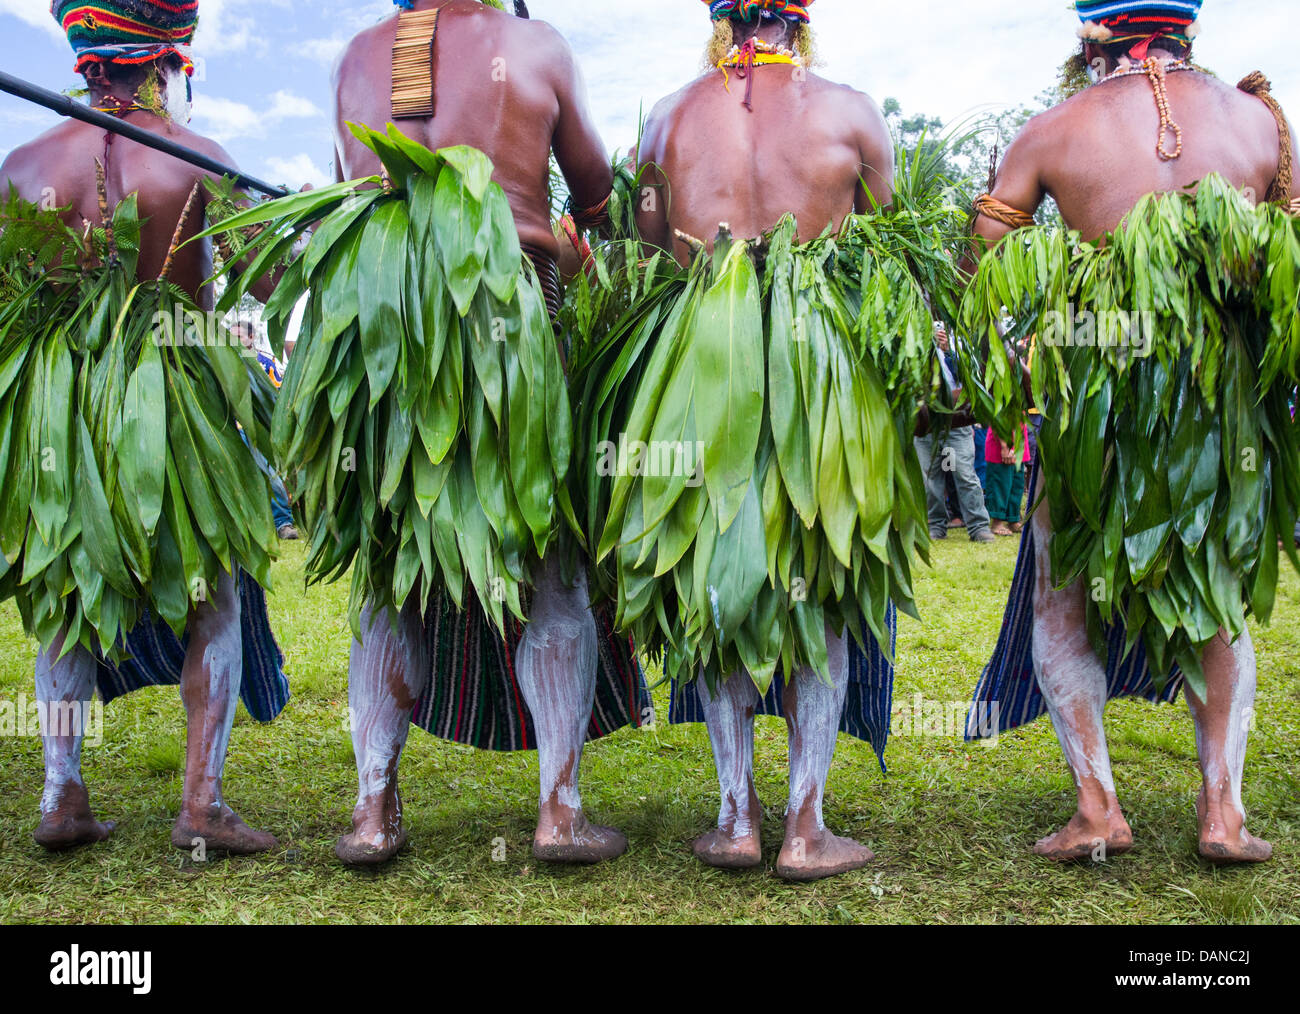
658, 458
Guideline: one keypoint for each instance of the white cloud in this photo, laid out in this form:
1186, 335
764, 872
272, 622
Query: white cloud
324, 51
296, 171
224, 119
35, 13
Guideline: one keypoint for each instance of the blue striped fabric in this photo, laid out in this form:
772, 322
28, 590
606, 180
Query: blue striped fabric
154, 656
1095, 10
1008, 683
866, 706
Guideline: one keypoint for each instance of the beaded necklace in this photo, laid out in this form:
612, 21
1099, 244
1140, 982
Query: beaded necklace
1155, 70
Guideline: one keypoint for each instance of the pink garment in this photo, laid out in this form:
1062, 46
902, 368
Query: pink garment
993, 448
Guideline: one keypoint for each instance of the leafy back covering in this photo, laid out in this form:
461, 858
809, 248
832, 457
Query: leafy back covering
424, 423
126, 482
1166, 353
745, 428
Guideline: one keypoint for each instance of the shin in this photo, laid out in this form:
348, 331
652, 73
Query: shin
555, 664
387, 673
729, 716
1222, 725
63, 684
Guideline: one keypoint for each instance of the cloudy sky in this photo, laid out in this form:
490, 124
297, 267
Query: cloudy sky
264, 92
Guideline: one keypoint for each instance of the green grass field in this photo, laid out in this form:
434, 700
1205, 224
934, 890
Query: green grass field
951, 824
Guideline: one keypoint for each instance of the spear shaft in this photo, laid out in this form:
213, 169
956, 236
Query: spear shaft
65, 106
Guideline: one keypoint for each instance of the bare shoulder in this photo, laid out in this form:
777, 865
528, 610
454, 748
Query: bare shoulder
360, 47
670, 108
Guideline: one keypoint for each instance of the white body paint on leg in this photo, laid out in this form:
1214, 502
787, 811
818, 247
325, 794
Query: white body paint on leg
813, 712
387, 674
67, 680
729, 717
210, 682
1071, 677
1231, 677
555, 664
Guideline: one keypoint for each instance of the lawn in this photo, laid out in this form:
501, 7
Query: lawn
951, 823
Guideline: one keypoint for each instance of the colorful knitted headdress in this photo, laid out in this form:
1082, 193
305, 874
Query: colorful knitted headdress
128, 31
1140, 22
748, 10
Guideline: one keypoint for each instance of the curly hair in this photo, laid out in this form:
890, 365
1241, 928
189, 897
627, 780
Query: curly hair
724, 37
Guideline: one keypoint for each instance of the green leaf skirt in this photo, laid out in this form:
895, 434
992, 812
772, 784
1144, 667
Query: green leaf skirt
423, 425
128, 486
1165, 361
745, 429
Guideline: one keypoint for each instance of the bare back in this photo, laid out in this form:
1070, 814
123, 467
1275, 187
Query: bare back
57, 169
806, 149
506, 86
1095, 154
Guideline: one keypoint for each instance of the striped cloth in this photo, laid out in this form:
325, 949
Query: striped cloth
154, 656
1180, 12
473, 695
1008, 690
867, 704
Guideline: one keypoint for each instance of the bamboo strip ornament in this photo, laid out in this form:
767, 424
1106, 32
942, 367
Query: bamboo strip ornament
413, 64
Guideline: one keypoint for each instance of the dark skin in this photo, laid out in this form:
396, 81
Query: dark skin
62, 162
1095, 155
510, 88
506, 86
60, 166
811, 148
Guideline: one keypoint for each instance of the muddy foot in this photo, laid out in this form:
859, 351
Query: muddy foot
360, 848
1082, 839
221, 831
728, 852
59, 831
827, 855
578, 842
1245, 848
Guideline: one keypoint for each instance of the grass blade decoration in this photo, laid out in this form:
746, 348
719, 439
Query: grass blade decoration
1166, 357
128, 485
423, 425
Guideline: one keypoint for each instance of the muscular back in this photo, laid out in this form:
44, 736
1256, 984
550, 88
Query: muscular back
506, 86
805, 149
59, 166
1096, 153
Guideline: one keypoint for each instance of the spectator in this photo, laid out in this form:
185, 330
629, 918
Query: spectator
1005, 486
952, 452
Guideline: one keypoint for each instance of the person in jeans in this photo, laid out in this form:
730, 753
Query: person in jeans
952, 452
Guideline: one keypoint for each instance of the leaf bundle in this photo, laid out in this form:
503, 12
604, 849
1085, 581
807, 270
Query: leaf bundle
127, 484
1165, 356
745, 425
423, 423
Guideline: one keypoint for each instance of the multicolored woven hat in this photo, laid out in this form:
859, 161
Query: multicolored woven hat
747, 10
128, 31
1100, 16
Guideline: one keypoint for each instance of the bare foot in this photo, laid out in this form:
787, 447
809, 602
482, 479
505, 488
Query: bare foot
572, 838
377, 832
1220, 844
1084, 838
71, 822
221, 830
820, 855
362, 848
1245, 848
729, 851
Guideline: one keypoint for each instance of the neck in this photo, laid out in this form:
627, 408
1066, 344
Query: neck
112, 96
